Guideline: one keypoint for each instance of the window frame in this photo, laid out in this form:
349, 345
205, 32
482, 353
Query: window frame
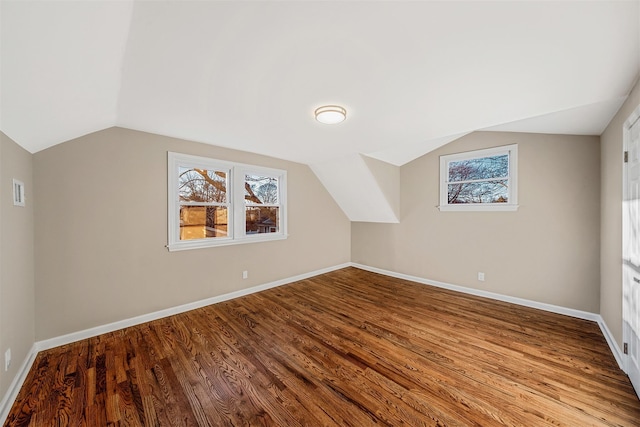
510, 150
236, 217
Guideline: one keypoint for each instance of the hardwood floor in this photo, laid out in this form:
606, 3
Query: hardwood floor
348, 348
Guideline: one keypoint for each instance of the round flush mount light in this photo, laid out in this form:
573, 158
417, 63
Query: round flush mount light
330, 114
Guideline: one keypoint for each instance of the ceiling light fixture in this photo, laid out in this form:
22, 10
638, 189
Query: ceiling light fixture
330, 114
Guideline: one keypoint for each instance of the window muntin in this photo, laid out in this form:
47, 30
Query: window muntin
213, 203
479, 180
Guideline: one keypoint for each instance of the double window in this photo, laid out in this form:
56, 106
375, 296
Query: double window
482, 180
213, 202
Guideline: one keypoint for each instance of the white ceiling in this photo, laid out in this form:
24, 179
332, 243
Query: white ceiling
248, 75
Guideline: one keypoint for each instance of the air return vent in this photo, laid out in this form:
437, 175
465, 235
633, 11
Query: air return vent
18, 193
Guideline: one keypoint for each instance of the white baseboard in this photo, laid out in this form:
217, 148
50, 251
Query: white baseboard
514, 300
486, 294
14, 389
613, 345
110, 327
16, 384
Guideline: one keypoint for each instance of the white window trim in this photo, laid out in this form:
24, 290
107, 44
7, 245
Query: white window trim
235, 192
511, 150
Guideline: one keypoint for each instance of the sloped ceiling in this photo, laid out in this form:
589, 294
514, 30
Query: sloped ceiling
248, 75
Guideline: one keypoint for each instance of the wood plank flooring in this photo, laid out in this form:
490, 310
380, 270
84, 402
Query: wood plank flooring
347, 348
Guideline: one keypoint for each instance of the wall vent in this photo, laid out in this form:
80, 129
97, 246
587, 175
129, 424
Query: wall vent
18, 193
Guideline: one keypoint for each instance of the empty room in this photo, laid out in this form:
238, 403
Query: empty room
319, 213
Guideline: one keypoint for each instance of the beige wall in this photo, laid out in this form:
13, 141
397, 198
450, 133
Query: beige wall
387, 177
547, 251
101, 227
17, 316
611, 212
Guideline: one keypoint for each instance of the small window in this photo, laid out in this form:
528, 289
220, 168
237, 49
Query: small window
213, 203
482, 180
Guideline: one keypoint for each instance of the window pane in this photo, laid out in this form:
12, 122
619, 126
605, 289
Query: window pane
201, 222
479, 192
261, 219
201, 185
261, 190
482, 168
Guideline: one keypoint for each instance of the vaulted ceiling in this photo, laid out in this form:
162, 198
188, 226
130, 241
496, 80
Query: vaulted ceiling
248, 75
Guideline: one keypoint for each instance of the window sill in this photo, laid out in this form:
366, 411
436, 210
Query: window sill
478, 208
204, 243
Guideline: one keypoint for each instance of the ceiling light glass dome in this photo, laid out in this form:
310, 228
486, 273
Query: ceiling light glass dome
330, 114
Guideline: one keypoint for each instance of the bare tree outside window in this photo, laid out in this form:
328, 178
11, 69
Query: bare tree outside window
200, 185
260, 189
479, 180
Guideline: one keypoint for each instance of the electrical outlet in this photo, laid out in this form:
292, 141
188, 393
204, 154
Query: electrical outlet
7, 359
245, 274
481, 276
